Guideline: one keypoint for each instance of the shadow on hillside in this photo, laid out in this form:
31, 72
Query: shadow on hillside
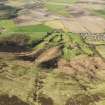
13, 48
14, 43
6, 100
83, 99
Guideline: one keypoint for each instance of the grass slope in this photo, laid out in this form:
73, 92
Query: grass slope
40, 86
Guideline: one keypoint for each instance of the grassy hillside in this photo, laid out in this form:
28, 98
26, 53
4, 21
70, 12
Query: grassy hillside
42, 63
59, 69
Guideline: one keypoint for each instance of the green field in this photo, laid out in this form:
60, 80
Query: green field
99, 13
33, 28
10, 26
59, 7
62, 1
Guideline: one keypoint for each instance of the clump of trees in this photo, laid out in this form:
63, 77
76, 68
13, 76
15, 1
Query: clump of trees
7, 12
